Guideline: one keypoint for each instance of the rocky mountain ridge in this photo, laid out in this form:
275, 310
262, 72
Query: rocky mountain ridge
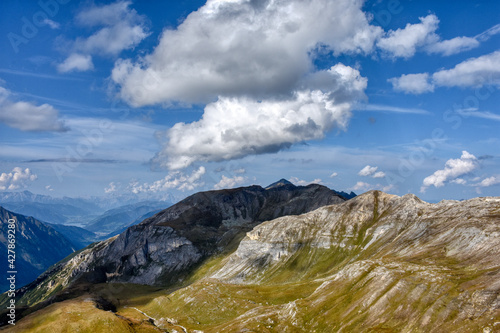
375, 263
163, 248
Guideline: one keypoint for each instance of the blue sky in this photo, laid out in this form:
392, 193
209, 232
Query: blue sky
155, 98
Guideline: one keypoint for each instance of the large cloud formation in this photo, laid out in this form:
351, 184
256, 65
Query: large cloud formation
252, 62
255, 48
234, 127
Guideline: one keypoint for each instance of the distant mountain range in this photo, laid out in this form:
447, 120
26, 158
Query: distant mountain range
37, 246
79, 237
82, 220
69, 211
119, 218
74, 211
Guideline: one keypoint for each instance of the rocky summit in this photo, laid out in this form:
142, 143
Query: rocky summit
375, 263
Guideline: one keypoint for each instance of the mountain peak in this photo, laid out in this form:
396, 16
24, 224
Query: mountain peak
281, 182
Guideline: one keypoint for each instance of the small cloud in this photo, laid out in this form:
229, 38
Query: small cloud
226, 182
403, 43
453, 46
334, 175
174, 180
111, 188
459, 181
49, 188
453, 169
121, 28
301, 182
51, 24
239, 171
372, 172
367, 171
27, 116
490, 181
412, 83
363, 186
16, 179
76, 62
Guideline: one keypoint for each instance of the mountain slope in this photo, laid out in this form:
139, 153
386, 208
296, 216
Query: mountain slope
166, 247
375, 263
37, 247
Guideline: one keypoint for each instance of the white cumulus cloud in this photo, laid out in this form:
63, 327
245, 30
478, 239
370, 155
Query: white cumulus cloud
236, 127
473, 72
379, 174
229, 182
27, 116
490, 181
252, 62
174, 180
453, 46
412, 83
404, 42
453, 169
116, 27
371, 171
76, 62
234, 48
300, 182
16, 179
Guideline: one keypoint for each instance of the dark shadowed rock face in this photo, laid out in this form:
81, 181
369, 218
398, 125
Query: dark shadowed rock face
163, 248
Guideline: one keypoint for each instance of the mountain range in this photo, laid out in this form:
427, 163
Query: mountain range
37, 246
282, 259
122, 217
79, 212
